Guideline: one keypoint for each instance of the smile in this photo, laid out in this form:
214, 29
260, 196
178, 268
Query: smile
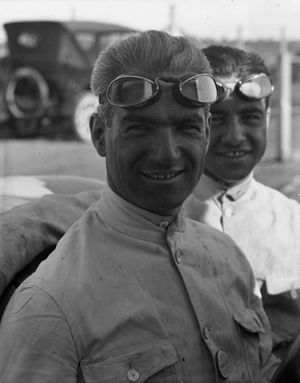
162, 176
234, 154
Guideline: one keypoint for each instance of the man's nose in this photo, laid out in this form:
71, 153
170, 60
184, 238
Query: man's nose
234, 133
165, 148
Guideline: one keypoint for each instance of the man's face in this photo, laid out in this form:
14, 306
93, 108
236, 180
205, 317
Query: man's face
238, 137
155, 154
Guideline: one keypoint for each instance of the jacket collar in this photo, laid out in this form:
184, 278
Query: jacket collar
134, 221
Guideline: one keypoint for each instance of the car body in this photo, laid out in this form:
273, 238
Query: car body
18, 190
47, 87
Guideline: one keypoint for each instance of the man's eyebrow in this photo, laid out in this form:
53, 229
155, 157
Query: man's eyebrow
138, 118
132, 117
195, 117
251, 109
220, 112
241, 110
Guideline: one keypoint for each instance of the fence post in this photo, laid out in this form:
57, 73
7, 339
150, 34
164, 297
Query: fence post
285, 100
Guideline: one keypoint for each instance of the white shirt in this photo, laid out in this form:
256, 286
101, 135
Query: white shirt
262, 221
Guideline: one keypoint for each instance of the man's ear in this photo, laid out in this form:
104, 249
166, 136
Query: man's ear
208, 127
97, 127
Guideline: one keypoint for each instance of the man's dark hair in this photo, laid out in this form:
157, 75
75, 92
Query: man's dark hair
227, 61
150, 54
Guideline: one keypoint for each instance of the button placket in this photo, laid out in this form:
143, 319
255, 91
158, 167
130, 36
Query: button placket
176, 253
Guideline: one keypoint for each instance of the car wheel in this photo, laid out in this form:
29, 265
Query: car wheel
27, 94
85, 105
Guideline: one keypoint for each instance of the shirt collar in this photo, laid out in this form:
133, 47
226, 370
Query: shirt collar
237, 191
208, 188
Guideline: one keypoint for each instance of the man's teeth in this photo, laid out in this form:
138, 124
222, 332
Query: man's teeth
234, 154
157, 176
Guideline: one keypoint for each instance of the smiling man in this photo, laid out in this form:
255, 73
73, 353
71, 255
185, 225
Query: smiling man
153, 165
238, 139
134, 291
262, 221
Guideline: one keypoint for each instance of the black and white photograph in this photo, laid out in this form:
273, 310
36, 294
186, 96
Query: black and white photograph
149, 191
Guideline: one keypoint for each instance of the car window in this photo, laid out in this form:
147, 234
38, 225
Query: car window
110, 38
86, 40
92, 44
68, 53
88, 43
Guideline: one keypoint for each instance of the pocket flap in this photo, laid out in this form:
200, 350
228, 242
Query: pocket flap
135, 364
249, 320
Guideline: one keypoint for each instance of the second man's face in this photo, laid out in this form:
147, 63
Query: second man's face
155, 154
238, 138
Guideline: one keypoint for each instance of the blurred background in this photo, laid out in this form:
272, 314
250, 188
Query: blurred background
47, 49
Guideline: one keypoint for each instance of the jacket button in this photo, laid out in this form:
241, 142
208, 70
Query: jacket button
133, 375
206, 332
223, 364
178, 256
228, 212
163, 224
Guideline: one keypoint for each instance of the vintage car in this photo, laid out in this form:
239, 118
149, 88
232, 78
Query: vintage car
47, 87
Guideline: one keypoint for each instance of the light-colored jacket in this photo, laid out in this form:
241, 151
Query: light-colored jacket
129, 296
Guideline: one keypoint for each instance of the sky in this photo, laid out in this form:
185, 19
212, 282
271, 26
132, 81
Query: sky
217, 19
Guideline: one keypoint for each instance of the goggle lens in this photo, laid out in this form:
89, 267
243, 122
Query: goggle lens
256, 87
201, 88
253, 87
127, 91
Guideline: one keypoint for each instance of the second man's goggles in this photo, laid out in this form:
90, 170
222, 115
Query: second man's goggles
130, 92
253, 87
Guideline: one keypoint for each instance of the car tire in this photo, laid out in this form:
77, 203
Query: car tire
85, 105
22, 105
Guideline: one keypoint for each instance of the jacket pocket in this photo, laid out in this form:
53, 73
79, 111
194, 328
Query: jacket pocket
251, 328
151, 363
249, 320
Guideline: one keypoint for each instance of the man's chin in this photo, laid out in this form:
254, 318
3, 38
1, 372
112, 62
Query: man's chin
163, 205
228, 177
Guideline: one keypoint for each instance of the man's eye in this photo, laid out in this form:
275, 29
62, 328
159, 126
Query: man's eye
252, 117
217, 120
136, 129
190, 128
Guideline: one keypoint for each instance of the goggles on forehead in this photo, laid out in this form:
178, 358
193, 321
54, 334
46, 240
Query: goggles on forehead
253, 87
131, 92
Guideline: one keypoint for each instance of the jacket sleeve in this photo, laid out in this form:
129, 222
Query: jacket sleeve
36, 343
269, 363
29, 229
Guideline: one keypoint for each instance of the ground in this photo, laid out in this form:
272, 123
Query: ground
41, 156
284, 176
